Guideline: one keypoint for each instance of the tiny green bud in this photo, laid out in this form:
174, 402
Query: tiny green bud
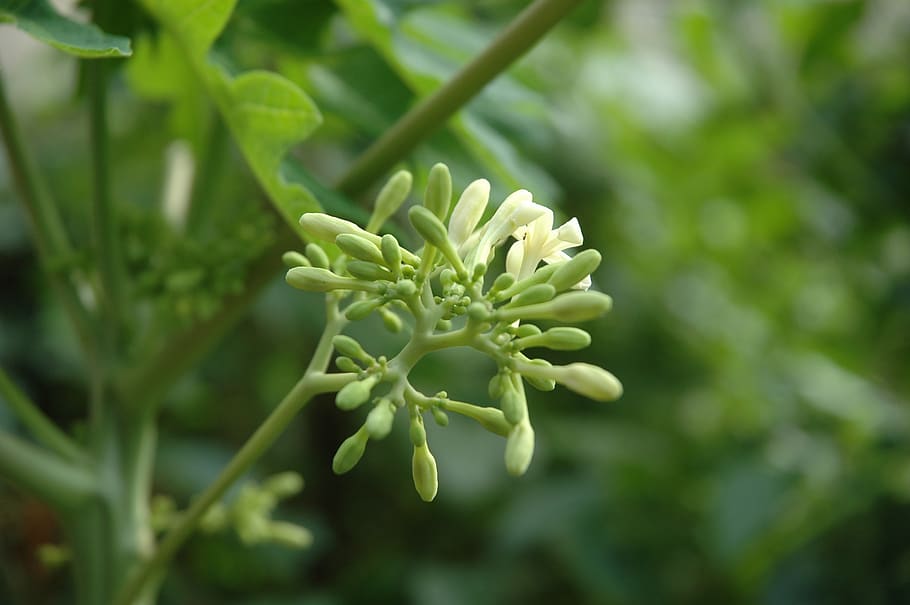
360, 309
503, 282
346, 364
354, 394
479, 270
525, 330
368, 271
423, 468
390, 198
540, 383
439, 416
293, 259
539, 293
558, 339
326, 227
359, 248
570, 307
428, 226
488, 417
438, 196
317, 256
478, 311
496, 386
379, 420
444, 325
519, 448
416, 431
390, 320
283, 485
575, 269
541, 275
405, 288
288, 535
314, 279
350, 452
513, 405
391, 252
351, 348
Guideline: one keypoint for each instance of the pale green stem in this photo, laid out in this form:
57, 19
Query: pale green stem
433, 111
61, 484
37, 423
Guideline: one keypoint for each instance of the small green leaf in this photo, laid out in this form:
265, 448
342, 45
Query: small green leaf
196, 23
38, 19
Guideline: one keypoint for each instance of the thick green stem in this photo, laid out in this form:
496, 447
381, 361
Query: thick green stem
37, 423
61, 484
432, 113
54, 249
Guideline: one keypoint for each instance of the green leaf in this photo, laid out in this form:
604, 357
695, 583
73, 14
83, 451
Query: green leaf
38, 19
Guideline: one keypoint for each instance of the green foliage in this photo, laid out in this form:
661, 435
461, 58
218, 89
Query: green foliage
40, 20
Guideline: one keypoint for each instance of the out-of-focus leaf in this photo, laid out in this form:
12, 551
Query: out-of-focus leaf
39, 19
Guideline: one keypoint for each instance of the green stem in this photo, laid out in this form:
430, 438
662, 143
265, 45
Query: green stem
210, 169
60, 484
434, 110
38, 424
54, 249
314, 382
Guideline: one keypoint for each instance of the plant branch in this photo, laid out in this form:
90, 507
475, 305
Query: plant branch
54, 249
61, 484
433, 111
40, 425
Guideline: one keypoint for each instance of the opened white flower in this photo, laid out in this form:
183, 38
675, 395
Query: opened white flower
538, 241
516, 211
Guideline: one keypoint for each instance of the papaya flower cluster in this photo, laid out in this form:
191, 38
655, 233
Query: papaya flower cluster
446, 295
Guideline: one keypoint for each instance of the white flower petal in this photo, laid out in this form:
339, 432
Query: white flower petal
570, 232
468, 211
514, 258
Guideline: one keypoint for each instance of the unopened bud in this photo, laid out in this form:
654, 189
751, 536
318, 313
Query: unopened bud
438, 195
390, 198
354, 394
575, 270
326, 227
423, 469
416, 431
346, 364
379, 420
360, 309
390, 320
391, 252
434, 232
368, 271
570, 307
283, 485
317, 256
350, 452
359, 247
312, 279
585, 379
541, 383
351, 348
513, 404
558, 339
288, 535
293, 259
489, 418
502, 282
440, 417
519, 449
405, 288
525, 330
539, 293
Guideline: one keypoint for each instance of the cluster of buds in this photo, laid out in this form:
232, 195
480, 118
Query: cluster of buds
446, 289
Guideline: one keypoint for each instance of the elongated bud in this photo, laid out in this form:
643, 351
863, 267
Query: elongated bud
514, 406
573, 271
326, 227
317, 256
469, 210
440, 417
519, 448
423, 468
360, 309
390, 198
405, 288
489, 418
541, 275
558, 339
503, 282
289, 535
379, 420
391, 253
525, 330
368, 271
351, 348
312, 279
438, 195
359, 248
350, 452
283, 485
390, 320
569, 307
416, 431
496, 386
539, 293
354, 394
346, 364
585, 379
541, 383
293, 259
434, 232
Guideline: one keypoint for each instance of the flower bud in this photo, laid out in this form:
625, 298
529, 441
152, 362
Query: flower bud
434, 232
423, 468
390, 320
541, 275
293, 259
390, 198
354, 394
570, 307
283, 485
346, 364
359, 248
572, 272
351, 348
519, 448
558, 339
489, 418
391, 252
539, 293
405, 288
350, 452
289, 535
589, 380
495, 387
438, 195
360, 309
379, 420
525, 330
312, 279
416, 431
469, 210
326, 227
439, 416
368, 271
317, 256
513, 404
541, 383
503, 282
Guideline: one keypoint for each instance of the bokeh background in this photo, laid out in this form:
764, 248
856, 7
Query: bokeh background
744, 167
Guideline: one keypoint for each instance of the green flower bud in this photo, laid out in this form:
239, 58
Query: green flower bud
351, 348
390, 320
354, 394
496, 386
416, 431
283, 485
350, 452
541, 275
539, 293
390, 198
489, 418
317, 256
362, 269
444, 325
589, 380
288, 535
391, 252
379, 420
575, 269
570, 307
503, 282
326, 227
513, 404
439, 416
558, 339
359, 248
293, 259
405, 288
360, 309
438, 196
346, 364
478, 311
312, 279
525, 330
434, 232
423, 468
519, 449
539, 382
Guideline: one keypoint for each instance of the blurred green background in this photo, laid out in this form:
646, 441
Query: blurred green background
743, 166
